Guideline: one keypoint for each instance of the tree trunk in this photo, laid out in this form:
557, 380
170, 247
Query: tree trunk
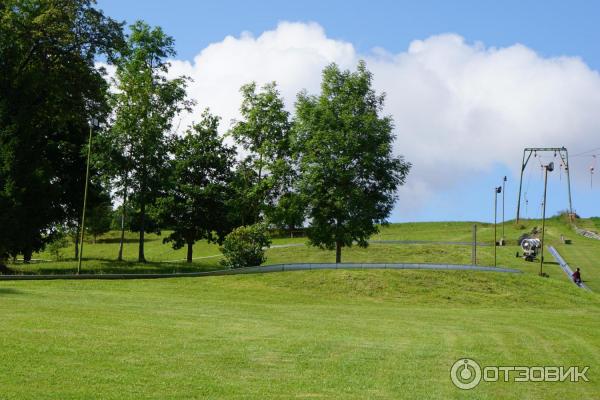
189, 251
4, 270
141, 257
27, 256
77, 244
259, 201
120, 256
123, 208
338, 252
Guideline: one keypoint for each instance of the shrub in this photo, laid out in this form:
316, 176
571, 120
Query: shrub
58, 243
243, 247
566, 216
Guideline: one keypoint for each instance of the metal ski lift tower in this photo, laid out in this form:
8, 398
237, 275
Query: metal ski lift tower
564, 156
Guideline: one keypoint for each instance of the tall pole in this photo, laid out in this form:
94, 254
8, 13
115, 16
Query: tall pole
568, 168
85, 192
523, 164
495, 220
503, 190
474, 248
549, 167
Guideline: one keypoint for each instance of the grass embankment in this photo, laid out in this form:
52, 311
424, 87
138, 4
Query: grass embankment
583, 253
310, 334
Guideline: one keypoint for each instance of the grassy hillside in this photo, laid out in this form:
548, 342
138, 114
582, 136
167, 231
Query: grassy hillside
585, 253
311, 334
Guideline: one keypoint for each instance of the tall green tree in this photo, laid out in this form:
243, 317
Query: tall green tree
49, 90
99, 219
196, 206
348, 174
242, 204
264, 134
111, 156
146, 102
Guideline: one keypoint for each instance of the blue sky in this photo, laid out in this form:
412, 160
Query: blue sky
549, 29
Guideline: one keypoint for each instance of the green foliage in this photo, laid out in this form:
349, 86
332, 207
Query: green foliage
196, 204
243, 247
288, 213
565, 216
243, 203
117, 214
58, 243
145, 104
348, 174
264, 133
49, 89
98, 219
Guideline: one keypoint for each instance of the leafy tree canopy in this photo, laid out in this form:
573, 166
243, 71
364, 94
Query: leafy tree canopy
49, 90
196, 205
348, 173
264, 133
146, 103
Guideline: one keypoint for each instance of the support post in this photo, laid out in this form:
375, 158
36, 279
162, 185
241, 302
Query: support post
547, 168
503, 191
85, 192
495, 221
543, 224
523, 165
474, 247
568, 168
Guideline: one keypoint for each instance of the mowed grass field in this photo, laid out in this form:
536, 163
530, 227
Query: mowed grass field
309, 334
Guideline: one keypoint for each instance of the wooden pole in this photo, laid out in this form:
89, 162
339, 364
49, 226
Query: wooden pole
85, 192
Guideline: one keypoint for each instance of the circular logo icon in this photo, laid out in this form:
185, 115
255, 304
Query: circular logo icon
465, 373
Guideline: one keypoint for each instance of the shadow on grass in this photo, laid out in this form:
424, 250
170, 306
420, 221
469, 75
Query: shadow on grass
118, 240
107, 266
9, 291
4, 270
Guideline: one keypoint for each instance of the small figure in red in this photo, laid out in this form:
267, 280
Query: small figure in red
577, 277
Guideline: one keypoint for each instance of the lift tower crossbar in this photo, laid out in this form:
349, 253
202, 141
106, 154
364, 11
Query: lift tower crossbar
564, 156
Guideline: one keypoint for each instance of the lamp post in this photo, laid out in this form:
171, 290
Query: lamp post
547, 168
93, 124
496, 191
503, 191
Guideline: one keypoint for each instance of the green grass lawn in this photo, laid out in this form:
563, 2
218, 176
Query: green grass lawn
99, 257
585, 254
310, 334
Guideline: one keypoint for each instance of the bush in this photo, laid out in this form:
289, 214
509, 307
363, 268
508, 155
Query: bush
243, 247
58, 243
566, 216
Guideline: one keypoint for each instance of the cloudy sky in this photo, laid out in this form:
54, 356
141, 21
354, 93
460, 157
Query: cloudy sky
468, 86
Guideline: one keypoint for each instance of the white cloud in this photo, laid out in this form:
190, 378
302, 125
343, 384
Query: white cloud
459, 108
293, 55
